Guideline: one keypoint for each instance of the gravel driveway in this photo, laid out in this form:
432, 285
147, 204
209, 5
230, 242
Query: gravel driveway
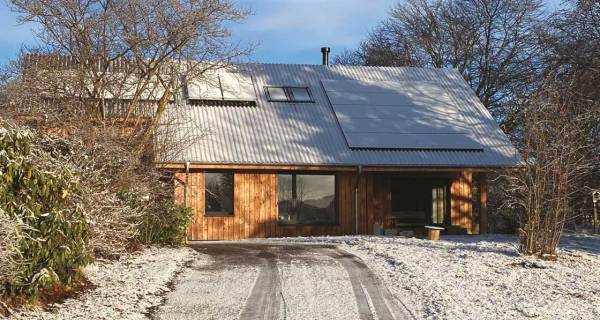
267, 280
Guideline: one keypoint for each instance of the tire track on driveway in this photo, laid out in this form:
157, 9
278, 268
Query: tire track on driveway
263, 302
368, 289
268, 280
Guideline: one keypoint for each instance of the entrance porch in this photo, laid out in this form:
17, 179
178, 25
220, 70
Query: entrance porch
401, 201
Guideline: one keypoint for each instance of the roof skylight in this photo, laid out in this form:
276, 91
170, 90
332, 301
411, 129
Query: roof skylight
288, 94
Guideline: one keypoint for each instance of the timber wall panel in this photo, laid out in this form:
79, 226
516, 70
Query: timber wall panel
461, 207
255, 208
378, 205
363, 214
256, 213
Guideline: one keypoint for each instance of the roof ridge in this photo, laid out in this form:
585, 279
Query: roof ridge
339, 66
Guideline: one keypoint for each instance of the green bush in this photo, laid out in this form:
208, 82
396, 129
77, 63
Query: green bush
41, 196
164, 222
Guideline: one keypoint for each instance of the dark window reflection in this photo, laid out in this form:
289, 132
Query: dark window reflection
306, 199
218, 193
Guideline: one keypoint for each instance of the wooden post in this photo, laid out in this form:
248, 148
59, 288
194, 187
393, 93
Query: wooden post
596, 224
433, 233
483, 212
596, 203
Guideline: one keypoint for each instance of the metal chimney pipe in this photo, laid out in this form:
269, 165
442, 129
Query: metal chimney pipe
325, 51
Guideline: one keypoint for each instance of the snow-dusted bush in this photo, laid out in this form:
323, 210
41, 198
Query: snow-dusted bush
9, 238
164, 222
103, 174
41, 202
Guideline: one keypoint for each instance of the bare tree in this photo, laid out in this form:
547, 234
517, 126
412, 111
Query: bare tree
121, 63
572, 53
554, 150
493, 43
109, 76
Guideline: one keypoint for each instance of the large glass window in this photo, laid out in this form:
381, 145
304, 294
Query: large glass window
306, 199
218, 193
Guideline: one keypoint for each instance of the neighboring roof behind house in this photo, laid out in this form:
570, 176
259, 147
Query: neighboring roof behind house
281, 133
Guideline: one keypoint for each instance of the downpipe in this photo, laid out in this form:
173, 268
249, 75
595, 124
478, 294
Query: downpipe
185, 188
357, 198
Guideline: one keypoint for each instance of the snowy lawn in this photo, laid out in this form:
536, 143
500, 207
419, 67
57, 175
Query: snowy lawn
483, 277
124, 289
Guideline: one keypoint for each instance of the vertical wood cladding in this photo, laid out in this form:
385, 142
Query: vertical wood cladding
255, 206
460, 203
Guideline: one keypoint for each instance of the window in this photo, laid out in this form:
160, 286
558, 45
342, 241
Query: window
306, 199
438, 204
277, 94
218, 193
300, 94
289, 94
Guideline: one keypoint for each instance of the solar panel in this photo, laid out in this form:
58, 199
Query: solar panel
398, 115
237, 86
222, 85
207, 88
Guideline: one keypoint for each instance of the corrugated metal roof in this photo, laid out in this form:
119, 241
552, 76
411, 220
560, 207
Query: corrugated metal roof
309, 133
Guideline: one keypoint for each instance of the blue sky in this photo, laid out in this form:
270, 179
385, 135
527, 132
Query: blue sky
286, 31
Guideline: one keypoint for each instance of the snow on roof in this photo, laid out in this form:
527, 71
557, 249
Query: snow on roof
373, 116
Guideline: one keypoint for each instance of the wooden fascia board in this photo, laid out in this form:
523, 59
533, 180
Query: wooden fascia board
175, 165
438, 169
256, 167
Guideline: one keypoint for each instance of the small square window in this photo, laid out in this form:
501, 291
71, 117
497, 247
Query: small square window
300, 94
277, 94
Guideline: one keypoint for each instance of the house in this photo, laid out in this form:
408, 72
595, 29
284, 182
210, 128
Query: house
308, 150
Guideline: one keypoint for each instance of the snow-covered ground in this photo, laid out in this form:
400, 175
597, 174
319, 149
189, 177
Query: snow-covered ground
125, 289
315, 286
207, 292
482, 277
460, 277
298, 282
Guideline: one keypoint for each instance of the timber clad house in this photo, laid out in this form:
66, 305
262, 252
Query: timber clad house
310, 150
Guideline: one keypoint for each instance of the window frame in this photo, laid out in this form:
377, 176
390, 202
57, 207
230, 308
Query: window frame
289, 95
310, 96
270, 99
446, 214
220, 213
336, 221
